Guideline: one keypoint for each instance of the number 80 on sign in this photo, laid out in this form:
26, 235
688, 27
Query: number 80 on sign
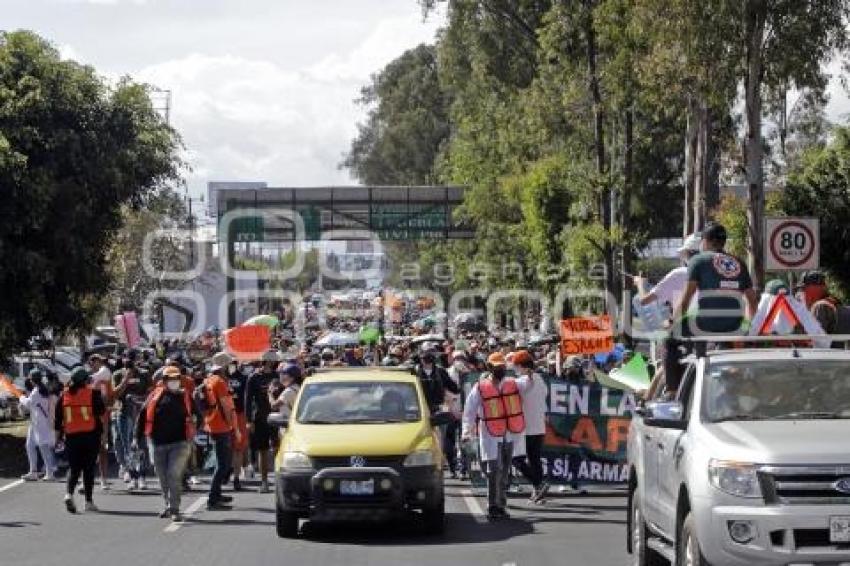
792, 244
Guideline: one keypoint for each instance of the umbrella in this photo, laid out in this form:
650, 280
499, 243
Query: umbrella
262, 320
337, 339
428, 338
369, 334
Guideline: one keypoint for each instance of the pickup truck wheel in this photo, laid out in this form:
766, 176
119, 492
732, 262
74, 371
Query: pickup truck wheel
688, 552
286, 524
642, 555
435, 518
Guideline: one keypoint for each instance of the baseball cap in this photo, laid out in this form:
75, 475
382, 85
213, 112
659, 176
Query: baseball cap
171, 371
220, 360
691, 243
496, 359
522, 357
814, 278
775, 287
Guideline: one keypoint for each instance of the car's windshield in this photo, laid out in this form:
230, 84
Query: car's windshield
777, 389
358, 402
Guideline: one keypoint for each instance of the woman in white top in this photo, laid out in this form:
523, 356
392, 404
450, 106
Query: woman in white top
40, 436
534, 396
290, 378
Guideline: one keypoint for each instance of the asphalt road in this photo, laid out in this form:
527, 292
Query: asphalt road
35, 530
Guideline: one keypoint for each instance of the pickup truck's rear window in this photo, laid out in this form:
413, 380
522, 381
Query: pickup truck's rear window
777, 389
351, 402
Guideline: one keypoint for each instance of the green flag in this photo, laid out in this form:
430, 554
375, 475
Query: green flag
634, 375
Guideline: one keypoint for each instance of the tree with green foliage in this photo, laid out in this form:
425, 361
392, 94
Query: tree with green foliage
74, 150
820, 187
407, 123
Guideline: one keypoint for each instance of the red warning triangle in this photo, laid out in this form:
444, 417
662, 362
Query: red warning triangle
780, 306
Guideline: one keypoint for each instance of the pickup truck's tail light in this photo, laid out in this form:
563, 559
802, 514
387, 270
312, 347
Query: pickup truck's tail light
735, 478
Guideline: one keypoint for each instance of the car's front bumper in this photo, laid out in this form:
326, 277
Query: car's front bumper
786, 534
305, 492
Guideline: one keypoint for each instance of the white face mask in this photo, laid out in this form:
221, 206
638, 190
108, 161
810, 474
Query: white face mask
173, 385
232, 368
459, 366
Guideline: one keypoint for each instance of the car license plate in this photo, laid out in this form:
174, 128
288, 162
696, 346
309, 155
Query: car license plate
839, 529
352, 487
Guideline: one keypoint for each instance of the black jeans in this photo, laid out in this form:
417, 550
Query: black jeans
82, 450
450, 444
532, 466
223, 463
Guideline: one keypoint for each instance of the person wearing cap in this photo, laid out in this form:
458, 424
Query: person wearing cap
101, 379
166, 422
457, 372
40, 435
257, 409
813, 292
669, 290
132, 391
78, 420
534, 393
435, 381
726, 299
220, 423
492, 401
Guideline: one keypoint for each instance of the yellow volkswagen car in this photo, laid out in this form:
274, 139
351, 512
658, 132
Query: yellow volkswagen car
359, 445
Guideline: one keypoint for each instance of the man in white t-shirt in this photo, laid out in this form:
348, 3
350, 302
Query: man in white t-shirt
101, 380
669, 290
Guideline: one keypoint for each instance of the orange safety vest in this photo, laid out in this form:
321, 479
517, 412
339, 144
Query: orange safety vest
150, 413
502, 407
78, 410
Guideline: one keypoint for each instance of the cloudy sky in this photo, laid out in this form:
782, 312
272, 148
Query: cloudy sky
262, 89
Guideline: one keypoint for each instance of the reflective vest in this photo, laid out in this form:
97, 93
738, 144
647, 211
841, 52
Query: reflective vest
502, 407
150, 413
78, 411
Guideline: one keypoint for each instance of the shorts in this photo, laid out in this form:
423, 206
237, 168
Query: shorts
262, 437
242, 425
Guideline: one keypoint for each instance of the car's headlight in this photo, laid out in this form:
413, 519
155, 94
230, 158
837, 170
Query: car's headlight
735, 478
419, 458
296, 461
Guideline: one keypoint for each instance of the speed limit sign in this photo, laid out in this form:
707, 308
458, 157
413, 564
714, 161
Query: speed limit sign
792, 244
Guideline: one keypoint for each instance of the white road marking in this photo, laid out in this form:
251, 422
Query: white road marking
9, 486
190, 511
474, 507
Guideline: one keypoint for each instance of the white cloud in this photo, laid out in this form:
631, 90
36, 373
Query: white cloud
252, 119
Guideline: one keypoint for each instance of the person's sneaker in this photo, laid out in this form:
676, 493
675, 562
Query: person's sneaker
218, 506
176, 517
32, 476
69, 504
90, 507
133, 485
494, 514
127, 477
123, 473
264, 487
225, 499
104, 486
49, 477
165, 514
237, 485
534, 495
194, 481
141, 484
541, 493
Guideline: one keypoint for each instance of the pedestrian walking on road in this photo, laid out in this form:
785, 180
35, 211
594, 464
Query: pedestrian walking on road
495, 400
167, 423
101, 379
257, 409
534, 393
78, 418
216, 404
40, 436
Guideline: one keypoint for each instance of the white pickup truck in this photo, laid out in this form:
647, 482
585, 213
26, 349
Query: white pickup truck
749, 465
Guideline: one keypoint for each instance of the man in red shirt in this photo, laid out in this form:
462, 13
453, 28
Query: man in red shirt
220, 423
